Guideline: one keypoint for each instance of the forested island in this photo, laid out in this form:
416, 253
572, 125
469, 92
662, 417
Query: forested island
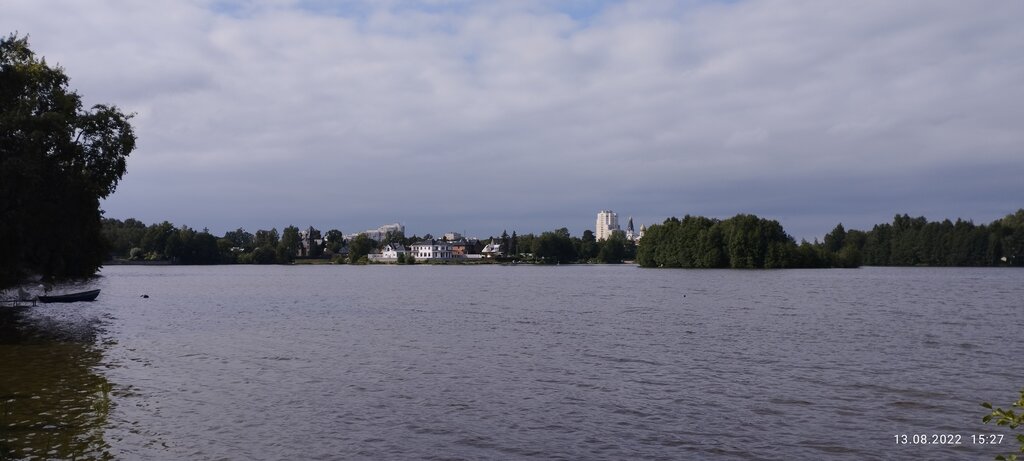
749, 242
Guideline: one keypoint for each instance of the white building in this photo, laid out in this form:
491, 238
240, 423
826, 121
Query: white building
390, 253
492, 250
607, 224
632, 235
379, 233
432, 249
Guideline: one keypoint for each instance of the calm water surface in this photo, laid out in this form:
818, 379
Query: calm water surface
492, 362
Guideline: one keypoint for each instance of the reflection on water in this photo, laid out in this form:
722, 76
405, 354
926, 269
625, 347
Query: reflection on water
53, 404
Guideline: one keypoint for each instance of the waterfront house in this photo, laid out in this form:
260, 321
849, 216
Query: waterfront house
492, 250
432, 249
392, 251
466, 248
388, 254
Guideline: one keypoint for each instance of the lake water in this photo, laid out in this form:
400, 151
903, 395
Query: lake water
501, 362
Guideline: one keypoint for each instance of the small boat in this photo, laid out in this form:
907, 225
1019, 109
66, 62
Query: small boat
71, 297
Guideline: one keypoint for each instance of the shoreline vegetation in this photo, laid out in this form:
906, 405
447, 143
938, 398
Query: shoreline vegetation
58, 159
749, 242
742, 242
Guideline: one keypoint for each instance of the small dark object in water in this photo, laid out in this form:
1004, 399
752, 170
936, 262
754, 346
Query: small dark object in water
144, 296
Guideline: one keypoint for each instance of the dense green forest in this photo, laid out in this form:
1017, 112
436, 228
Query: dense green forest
746, 241
916, 241
133, 240
57, 160
740, 242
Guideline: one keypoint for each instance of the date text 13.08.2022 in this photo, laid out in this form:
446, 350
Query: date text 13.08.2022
948, 439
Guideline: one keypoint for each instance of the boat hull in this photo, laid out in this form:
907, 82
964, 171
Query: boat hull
71, 297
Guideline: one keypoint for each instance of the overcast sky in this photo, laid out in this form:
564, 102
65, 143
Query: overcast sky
534, 115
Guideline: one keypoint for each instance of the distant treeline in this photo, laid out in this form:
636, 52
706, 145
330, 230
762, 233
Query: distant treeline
741, 242
132, 239
746, 241
916, 241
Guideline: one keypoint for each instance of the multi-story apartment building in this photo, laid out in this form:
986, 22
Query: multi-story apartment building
380, 233
607, 224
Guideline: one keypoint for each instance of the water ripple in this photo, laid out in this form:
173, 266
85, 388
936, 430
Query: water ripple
594, 362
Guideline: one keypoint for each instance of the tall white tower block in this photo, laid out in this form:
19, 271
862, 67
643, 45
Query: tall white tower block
607, 223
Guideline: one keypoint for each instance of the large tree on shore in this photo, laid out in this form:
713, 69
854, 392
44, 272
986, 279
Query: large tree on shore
360, 246
57, 160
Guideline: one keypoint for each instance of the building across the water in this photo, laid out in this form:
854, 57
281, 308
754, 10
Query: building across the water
381, 232
432, 249
632, 235
608, 225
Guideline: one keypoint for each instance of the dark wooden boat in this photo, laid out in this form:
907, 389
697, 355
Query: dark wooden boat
71, 297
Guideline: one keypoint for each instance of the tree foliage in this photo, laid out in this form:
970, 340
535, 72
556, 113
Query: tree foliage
611, 250
57, 160
1009, 418
316, 243
130, 239
554, 247
123, 236
334, 240
587, 248
289, 245
917, 242
359, 247
186, 246
746, 241
740, 242
241, 239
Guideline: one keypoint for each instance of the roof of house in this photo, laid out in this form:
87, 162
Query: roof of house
431, 242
